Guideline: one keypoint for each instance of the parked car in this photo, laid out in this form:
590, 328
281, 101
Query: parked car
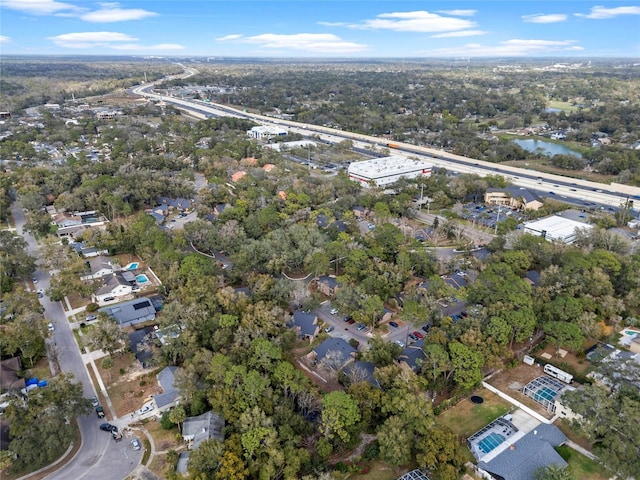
426, 328
117, 436
418, 334
135, 443
109, 299
361, 326
393, 324
334, 311
100, 412
413, 337
329, 329
34, 280
95, 402
40, 293
107, 427
91, 318
145, 409
400, 343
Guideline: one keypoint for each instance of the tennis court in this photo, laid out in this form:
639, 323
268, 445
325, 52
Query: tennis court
490, 442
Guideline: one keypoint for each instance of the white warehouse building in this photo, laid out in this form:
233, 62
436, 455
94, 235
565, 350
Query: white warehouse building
385, 171
266, 131
556, 228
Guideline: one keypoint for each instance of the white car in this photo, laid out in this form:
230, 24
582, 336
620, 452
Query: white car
135, 443
145, 409
334, 311
50, 327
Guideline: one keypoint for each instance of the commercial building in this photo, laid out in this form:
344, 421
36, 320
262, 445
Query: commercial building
556, 228
266, 132
513, 197
385, 171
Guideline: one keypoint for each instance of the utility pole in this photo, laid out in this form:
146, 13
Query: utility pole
495, 232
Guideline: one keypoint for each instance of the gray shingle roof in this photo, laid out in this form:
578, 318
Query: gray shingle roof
203, 427
131, 312
337, 345
306, 321
169, 393
533, 451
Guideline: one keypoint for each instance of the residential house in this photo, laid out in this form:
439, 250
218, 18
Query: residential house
181, 204
533, 451
141, 344
218, 209
334, 351
360, 212
82, 249
361, 372
327, 285
305, 325
267, 167
532, 277
195, 430
513, 197
133, 312
99, 267
169, 397
119, 284
238, 175
413, 355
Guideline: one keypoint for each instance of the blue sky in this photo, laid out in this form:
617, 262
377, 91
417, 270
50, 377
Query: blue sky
304, 28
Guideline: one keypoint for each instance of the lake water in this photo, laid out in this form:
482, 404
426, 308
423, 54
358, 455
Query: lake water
547, 148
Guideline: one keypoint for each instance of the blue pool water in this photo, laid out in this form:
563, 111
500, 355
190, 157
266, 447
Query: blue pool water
132, 266
631, 332
142, 278
490, 442
544, 393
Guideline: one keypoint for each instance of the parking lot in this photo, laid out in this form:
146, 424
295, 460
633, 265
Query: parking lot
489, 215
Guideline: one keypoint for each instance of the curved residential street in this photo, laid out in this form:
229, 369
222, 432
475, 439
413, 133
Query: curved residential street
99, 457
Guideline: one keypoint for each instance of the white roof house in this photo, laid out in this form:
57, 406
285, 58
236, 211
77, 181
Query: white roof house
556, 228
387, 170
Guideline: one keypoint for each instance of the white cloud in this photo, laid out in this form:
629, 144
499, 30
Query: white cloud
459, 13
4, 39
90, 39
40, 7
320, 43
228, 37
109, 40
509, 48
333, 24
461, 33
599, 13
111, 12
161, 47
419, 21
545, 18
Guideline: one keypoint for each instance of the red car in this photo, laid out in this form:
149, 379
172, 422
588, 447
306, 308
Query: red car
418, 334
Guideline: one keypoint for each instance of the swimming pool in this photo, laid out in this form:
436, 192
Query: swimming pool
142, 278
132, 266
545, 393
490, 442
631, 332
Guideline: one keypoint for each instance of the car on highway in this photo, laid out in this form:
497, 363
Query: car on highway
329, 329
135, 443
393, 324
107, 427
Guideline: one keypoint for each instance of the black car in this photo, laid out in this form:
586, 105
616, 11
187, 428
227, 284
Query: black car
107, 427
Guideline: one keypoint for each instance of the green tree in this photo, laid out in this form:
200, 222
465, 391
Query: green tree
41, 426
553, 472
563, 334
177, 415
395, 439
466, 364
340, 416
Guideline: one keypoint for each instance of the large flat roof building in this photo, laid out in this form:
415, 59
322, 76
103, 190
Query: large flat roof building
556, 228
387, 170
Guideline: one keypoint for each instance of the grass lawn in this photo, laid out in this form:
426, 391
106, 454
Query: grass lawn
467, 418
583, 468
564, 106
40, 370
377, 471
163, 439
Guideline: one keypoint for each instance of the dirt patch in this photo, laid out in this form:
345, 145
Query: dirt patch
512, 381
578, 365
129, 385
76, 301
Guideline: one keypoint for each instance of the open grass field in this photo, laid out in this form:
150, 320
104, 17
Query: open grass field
564, 106
467, 418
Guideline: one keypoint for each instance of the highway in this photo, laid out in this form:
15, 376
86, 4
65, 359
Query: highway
583, 191
99, 457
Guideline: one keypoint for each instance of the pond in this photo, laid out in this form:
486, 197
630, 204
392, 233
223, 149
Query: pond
547, 148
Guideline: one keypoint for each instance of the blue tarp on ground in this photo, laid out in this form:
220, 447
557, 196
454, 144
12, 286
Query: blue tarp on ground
31, 381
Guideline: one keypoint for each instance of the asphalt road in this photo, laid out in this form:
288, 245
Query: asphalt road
99, 457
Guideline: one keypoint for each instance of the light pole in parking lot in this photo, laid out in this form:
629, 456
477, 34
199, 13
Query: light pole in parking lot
495, 232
